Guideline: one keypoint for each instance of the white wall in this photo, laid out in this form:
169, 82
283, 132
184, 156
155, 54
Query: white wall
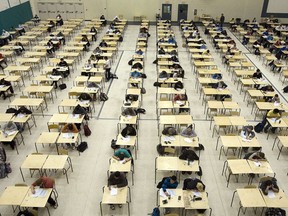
149, 8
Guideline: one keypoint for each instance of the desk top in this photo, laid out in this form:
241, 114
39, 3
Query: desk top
175, 119
66, 118
279, 201
118, 166
40, 202
48, 137
175, 164
173, 202
251, 197
27, 102
34, 161
119, 198
197, 204
126, 141
239, 166
13, 195
55, 162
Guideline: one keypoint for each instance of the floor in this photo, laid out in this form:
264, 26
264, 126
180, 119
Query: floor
84, 193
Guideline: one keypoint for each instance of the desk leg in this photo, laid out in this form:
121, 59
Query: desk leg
47, 210
280, 150
128, 206
22, 174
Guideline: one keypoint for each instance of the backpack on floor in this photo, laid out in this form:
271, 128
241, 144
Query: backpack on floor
62, 86
87, 131
82, 147
275, 212
285, 90
103, 96
3, 172
259, 127
156, 212
2, 155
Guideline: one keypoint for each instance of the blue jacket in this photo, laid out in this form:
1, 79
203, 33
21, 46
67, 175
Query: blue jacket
167, 184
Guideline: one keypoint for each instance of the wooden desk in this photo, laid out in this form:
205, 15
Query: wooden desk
172, 202
283, 140
226, 121
115, 166
70, 102
46, 138
40, 89
191, 204
175, 120
279, 201
34, 162
66, 118
249, 198
28, 102
14, 195
55, 162
174, 164
120, 198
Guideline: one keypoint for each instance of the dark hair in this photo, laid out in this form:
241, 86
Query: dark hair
70, 126
117, 174
121, 156
276, 111
269, 182
174, 178
62, 59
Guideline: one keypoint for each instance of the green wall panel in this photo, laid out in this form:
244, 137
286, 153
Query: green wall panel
15, 15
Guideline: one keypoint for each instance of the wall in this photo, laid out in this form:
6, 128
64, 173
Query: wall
149, 8
12, 17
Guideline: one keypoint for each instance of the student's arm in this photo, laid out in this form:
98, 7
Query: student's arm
123, 181
65, 129
75, 129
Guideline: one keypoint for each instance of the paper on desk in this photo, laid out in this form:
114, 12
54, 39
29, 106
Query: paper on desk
187, 140
128, 117
2, 86
113, 191
179, 102
10, 132
84, 102
39, 193
75, 116
246, 140
257, 163
276, 104
126, 139
170, 192
168, 138
68, 135
196, 193
20, 115
122, 161
273, 119
271, 194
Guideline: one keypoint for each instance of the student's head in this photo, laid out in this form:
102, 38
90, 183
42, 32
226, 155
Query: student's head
89, 61
121, 156
276, 96
269, 183
173, 179
261, 155
62, 59
276, 111
171, 131
249, 127
106, 58
117, 174
70, 127
258, 71
200, 187
10, 124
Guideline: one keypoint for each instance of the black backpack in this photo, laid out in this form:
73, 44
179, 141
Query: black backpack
178, 85
103, 96
2, 154
259, 127
285, 89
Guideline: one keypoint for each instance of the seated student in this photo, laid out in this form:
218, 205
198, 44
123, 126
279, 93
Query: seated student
9, 128
3, 60
70, 128
169, 131
59, 21
219, 85
63, 63
257, 75
254, 156
276, 99
161, 51
129, 98
117, 180
267, 185
178, 71
61, 37
19, 48
139, 52
85, 97
275, 113
129, 130
6, 83
267, 88
87, 66
85, 39
193, 184
134, 75
188, 132
129, 112
122, 154
188, 154
104, 21
93, 30
45, 182
137, 65
97, 52
50, 47
181, 99
168, 183
51, 25
103, 44
248, 134
171, 39
174, 58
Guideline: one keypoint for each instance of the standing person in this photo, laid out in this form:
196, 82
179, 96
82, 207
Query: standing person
222, 20
107, 67
45, 182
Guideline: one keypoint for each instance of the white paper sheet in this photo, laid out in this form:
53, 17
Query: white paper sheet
39, 193
271, 194
113, 191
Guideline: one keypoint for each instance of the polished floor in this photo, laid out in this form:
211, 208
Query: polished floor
84, 193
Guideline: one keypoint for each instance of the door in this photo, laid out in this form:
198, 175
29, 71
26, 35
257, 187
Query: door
166, 11
182, 11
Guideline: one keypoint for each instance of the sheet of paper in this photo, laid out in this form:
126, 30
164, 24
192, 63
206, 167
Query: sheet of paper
196, 193
39, 193
257, 163
113, 191
68, 135
271, 194
126, 139
162, 194
128, 117
246, 140
75, 116
179, 102
187, 140
9, 133
20, 115
84, 102
171, 192
122, 161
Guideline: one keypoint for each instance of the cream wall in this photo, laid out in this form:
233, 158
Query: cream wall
149, 8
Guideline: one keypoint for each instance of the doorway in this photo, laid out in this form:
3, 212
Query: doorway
166, 11
182, 11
